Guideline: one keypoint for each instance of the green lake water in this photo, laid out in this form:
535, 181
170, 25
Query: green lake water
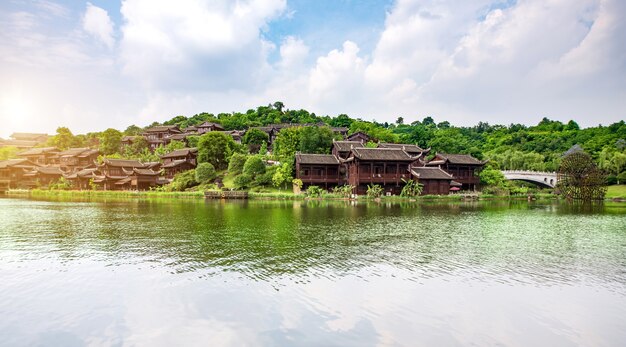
271, 273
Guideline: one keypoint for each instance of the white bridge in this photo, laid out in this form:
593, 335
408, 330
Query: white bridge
543, 179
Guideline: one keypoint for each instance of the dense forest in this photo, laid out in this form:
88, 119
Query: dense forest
512, 147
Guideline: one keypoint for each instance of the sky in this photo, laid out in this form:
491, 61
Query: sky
107, 63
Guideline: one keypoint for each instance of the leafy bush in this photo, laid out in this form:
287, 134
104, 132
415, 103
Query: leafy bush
254, 166
265, 179
61, 184
374, 191
243, 181
314, 191
205, 172
183, 181
236, 163
411, 189
343, 191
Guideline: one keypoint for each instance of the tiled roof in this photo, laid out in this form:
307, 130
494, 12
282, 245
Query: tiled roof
346, 146
383, 154
161, 128
73, 152
49, 170
324, 159
38, 151
174, 163
430, 173
28, 136
180, 153
210, 125
146, 172
463, 159
123, 163
407, 147
13, 162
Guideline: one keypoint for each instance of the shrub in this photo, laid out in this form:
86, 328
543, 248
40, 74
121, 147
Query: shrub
205, 172
314, 191
374, 191
254, 166
412, 189
243, 181
343, 191
183, 180
236, 163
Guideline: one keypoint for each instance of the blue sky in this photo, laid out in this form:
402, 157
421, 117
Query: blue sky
99, 64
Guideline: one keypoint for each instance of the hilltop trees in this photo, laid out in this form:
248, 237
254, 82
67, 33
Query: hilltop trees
216, 148
110, 141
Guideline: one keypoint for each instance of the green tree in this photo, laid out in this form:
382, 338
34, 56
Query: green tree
254, 166
255, 138
316, 140
283, 175
287, 142
236, 163
205, 172
8, 152
215, 148
64, 139
110, 141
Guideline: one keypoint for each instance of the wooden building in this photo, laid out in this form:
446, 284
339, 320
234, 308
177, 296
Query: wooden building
41, 156
143, 179
179, 161
412, 150
81, 179
12, 172
359, 136
157, 135
42, 176
24, 140
463, 167
435, 181
322, 170
387, 167
342, 149
75, 159
207, 127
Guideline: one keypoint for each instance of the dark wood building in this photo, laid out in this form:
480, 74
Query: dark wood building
208, 126
359, 136
387, 167
435, 181
322, 170
463, 167
41, 156
75, 159
179, 161
412, 150
12, 172
342, 149
81, 179
157, 135
43, 176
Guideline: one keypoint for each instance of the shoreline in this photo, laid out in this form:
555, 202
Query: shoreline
36, 193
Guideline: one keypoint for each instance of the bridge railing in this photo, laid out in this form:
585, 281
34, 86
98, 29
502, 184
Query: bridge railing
527, 172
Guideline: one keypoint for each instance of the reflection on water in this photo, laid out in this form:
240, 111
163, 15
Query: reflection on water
162, 272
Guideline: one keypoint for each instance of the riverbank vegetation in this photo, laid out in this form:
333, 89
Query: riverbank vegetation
250, 166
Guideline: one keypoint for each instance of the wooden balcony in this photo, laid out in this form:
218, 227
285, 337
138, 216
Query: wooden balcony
383, 178
321, 179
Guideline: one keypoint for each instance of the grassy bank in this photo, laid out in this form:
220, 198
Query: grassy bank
107, 194
616, 192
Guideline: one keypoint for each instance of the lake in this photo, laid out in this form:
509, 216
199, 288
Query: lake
272, 273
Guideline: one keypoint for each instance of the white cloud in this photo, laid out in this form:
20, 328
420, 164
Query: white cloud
97, 22
196, 45
470, 61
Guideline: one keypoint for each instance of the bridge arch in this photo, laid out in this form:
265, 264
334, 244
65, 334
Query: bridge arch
542, 179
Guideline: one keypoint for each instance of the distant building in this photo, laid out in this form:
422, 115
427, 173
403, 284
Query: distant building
74, 159
24, 140
179, 161
463, 167
41, 156
157, 135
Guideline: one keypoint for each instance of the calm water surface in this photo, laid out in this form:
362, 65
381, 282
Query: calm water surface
186, 273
